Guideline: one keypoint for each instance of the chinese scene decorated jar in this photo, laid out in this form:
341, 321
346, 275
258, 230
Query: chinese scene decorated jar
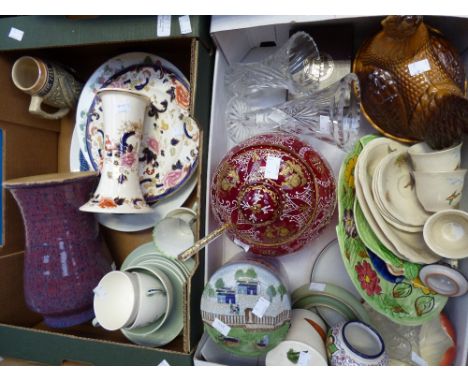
64, 256
274, 192
246, 307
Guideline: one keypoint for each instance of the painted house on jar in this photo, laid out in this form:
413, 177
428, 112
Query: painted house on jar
226, 295
247, 286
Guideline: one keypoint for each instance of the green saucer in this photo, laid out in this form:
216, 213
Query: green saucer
149, 249
332, 296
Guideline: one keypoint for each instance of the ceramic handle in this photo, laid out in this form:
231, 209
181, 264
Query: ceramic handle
35, 108
151, 292
202, 243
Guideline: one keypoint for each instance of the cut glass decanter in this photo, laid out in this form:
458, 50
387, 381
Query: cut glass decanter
331, 114
296, 66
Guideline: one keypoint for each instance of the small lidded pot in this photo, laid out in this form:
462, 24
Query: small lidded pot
354, 343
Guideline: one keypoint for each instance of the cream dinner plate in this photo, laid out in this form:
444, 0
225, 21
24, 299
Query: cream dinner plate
383, 211
395, 187
368, 215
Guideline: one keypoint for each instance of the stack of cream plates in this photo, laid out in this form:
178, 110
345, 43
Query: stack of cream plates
385, 193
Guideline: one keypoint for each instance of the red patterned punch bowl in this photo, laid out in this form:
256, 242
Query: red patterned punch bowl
275, 192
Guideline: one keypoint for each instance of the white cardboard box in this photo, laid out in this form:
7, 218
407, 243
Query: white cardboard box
238, 39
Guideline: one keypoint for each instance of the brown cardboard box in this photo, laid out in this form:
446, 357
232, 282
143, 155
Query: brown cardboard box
36, 146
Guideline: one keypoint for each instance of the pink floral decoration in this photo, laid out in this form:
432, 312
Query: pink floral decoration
128, 159
170, 180
153, 144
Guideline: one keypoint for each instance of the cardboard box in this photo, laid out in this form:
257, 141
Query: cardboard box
241, 39
32, 145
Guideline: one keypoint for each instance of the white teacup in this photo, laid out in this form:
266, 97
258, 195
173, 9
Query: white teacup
173, 235
116, 300
152, 300
304, 344
439, 190
426, 159
446, 234
156, 272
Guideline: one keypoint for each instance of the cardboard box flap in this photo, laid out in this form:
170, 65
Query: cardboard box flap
55, 31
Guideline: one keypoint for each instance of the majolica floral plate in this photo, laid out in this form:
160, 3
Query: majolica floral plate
169, 150
232, 298
407, 302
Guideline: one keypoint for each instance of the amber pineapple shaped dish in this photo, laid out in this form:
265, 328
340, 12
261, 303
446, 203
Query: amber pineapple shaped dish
413, 83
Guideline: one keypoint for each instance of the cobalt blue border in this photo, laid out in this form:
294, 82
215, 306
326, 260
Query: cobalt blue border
353, 349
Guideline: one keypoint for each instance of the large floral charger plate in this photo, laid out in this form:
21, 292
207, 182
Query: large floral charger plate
169, 149
406, 301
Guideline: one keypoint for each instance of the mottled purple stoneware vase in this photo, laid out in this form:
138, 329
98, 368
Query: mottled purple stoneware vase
64, 256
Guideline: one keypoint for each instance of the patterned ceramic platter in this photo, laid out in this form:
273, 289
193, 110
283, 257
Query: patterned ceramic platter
235, 298
407, 302
169, 150
275, 191
79, 161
